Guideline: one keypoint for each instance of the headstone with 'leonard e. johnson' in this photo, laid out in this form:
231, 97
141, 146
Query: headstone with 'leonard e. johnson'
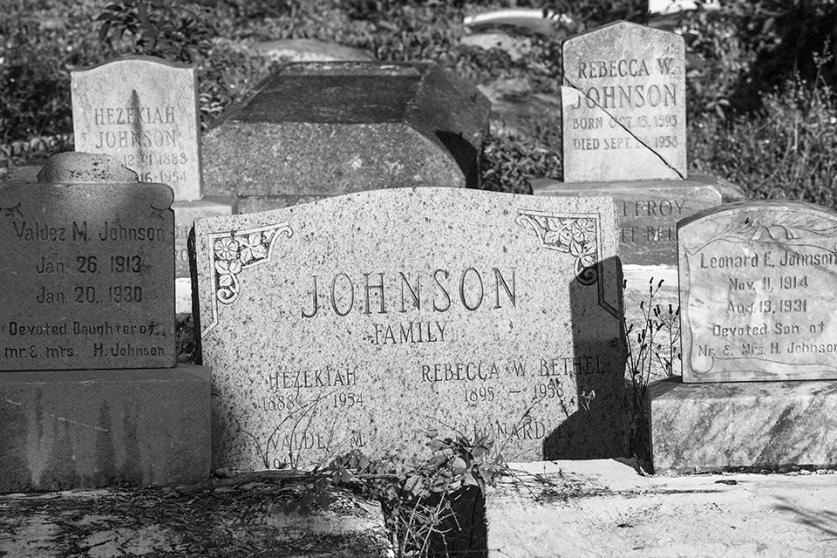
367, 320
624, 104
757, 293
88, 269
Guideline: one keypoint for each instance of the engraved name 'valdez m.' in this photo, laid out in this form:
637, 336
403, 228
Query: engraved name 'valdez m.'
438, 291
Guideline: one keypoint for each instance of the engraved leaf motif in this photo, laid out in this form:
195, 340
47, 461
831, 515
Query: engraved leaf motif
252, 248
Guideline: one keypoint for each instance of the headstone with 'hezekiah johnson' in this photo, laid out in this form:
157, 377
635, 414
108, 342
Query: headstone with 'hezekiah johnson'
336, 325
88, 269
624, 104
757, 293
142, 111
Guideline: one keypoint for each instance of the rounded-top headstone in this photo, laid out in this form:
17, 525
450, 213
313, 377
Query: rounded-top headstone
84, 168
624, 104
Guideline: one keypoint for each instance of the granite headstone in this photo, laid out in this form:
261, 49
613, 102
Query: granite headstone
142, 111
757, 292
368, 320
88, 269
320, 129
624, 104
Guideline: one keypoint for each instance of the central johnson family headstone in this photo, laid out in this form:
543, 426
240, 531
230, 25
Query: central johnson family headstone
87, 269
758, 283
314, 130
368, 320
624, 104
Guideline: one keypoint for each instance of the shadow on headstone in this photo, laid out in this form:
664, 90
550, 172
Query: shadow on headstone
595, 424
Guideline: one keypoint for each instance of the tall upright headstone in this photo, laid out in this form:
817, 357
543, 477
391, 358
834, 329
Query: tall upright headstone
450, 311
89, 391
759, 341
143, 111
314, 130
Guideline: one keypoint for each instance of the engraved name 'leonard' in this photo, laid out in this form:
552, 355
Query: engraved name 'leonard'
438, 291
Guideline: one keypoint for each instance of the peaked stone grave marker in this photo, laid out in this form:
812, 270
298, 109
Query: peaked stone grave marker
449, 310
624, 104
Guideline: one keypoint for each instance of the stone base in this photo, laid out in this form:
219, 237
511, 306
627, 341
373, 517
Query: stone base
751, 425
185, 213
648, 210
93, 428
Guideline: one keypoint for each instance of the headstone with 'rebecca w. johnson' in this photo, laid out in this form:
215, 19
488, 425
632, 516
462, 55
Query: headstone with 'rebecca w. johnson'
88, 269
143, 111
452, 310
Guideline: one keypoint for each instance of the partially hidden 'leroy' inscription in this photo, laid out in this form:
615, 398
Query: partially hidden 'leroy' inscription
87, 276
429, 319
624, 104
758, 283
142, 111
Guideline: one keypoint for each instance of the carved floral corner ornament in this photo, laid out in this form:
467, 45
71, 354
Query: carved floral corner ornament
573, 235
235, 251
579, 236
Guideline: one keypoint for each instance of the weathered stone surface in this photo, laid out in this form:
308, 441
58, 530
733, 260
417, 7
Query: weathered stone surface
326, 129
88, 271
757, 284
88, 428
624, 104
447, 309
648, 212
84, 168
143, 111
605, 508
711, 427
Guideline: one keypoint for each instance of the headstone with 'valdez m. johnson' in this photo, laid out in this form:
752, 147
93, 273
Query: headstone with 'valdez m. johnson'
89, 391
449, 310
759, 341
143, 111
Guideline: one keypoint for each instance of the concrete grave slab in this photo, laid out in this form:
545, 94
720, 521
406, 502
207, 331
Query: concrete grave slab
321, 129
88, 269
367, 321
143, 111
624, 104
757, 284
605, 508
